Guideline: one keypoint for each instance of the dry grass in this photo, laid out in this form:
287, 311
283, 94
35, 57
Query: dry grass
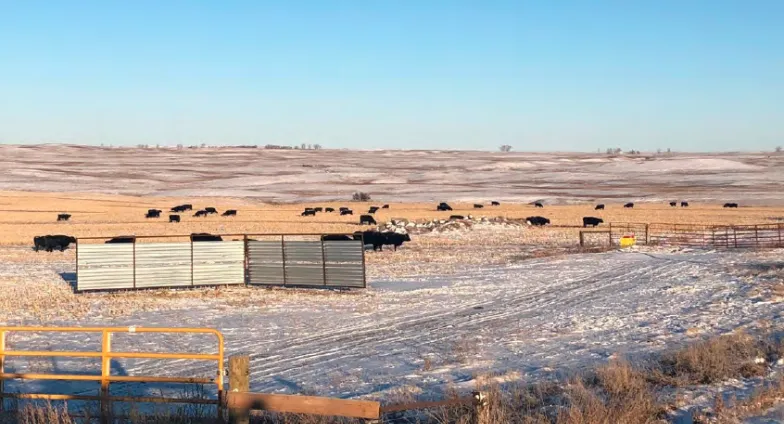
25, 215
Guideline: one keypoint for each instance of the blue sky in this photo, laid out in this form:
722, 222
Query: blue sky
539, 75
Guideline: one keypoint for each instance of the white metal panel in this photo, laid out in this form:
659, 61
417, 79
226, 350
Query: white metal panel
104, 266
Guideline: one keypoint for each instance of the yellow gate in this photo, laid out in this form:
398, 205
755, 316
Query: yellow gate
107, 354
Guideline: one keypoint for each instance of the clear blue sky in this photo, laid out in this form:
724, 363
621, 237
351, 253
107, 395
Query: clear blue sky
539, 75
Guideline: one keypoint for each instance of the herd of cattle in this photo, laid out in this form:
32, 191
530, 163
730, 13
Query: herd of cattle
372, 238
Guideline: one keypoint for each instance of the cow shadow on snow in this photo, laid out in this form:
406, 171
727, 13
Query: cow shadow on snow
70, 278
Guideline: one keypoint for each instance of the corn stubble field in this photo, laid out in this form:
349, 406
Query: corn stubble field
555, 333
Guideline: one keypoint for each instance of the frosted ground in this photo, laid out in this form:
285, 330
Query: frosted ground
408, 176
532, 319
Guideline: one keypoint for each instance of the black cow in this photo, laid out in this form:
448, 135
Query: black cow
307, 212
478, 206
346, 212
591, 221
318, 209
456, 217
182, 208
374, 238
343, 208
174, 218
205, 237
210, 210
335, 237
329, 210
395, 239
367, 220
122, 239
599, 207
443, 207
730, 205
200, 213
494, 203
538, 205
63, 217
373, 209
673, 204
229, 212
537, 221
629, 205
684, 204
153, 213
50, 243
385, 207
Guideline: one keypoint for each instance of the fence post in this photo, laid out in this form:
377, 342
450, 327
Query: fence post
239, 381
647, 226
780, 245
582, 241
106, 367
191, 238
283, 257
246, 261
756, 237
323, 263
735, 236
134, 262
480, 407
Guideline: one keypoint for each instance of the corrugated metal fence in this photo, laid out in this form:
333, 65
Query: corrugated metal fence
276, 262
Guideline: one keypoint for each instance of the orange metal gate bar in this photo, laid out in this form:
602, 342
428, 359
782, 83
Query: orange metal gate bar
106, 354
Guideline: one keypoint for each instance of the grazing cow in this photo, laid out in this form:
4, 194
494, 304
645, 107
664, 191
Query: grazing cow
329, 210
229, 212
307, 212
374, 238
730, 205
63, 217
182, 208
367, 220
174, 218
335, 237
50, 243
537, 221
478, 206
200, 213
538, 205
684, 204
373, 209
673, 204
343, 208
153, 213
318, 209
629, 205
591, 221
385, 207
456, 217
443, 207
205, 237
210, 210
599, 207
346, 212
494, 203
122, 239
395, 239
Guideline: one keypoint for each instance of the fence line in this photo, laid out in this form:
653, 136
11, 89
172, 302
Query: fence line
702, 236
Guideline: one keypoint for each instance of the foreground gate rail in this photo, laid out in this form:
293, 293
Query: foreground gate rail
106, 355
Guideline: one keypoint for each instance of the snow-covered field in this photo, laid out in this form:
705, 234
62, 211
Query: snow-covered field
533, 319
396, 176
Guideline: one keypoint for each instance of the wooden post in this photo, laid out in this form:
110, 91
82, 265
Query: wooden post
582, 241
480, 407
646, 233
780, 245
239, 381
756, 237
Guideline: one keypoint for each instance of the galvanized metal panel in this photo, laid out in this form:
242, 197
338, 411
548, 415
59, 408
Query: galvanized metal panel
305, 275
345, 275
218, 263
343, 251
104, 267
265, 262
163, 264
303, 251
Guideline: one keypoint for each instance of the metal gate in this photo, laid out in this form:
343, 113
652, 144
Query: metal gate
286, 261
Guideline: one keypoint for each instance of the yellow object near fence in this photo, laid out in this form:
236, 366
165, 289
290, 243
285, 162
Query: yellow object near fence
106, 355
628, 241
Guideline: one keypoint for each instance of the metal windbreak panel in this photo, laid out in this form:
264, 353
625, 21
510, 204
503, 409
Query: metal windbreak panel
265, 262
345, 265
303, 274
104, 266
218, 262
303, 251
163, 264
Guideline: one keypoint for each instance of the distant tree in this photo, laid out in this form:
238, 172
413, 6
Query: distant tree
317, 146
505, 148
658, 151
303, 146
778, 149
360, 197
668, 151
179, 146
203, 145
